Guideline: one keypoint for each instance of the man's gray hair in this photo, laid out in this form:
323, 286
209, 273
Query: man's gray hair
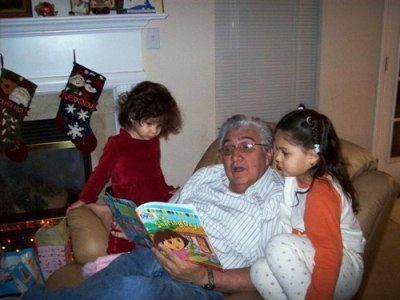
239, 121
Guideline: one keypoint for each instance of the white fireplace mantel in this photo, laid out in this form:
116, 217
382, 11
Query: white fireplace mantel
42, 49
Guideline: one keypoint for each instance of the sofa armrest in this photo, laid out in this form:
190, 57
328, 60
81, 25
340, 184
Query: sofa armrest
376, 192
89, 236
67, 277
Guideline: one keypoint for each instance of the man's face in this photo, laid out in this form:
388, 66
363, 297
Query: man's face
244, 168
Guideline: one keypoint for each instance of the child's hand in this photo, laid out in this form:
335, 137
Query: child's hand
76, 204
117, 231
174, 190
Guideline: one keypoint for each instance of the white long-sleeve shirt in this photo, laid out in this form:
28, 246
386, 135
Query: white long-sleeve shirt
238, 225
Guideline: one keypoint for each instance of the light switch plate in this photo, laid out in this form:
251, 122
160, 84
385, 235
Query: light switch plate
153, 38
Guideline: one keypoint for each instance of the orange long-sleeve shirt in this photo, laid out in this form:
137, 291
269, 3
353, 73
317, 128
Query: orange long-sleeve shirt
322, 216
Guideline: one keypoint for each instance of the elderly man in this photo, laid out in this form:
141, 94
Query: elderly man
239, 204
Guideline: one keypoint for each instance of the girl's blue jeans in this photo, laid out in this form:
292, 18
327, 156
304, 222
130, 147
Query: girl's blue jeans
134, 275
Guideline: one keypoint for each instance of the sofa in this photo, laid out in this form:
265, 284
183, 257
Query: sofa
376, 191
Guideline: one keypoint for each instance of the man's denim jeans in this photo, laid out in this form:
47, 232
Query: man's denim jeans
135, 275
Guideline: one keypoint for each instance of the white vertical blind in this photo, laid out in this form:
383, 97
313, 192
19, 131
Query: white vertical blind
266, 56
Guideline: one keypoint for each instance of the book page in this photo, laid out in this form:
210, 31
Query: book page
179, 227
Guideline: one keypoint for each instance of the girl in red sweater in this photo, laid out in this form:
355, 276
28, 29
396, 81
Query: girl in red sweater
321, 256
132, 158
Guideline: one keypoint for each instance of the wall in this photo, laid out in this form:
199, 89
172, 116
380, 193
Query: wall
349, 61
185, 63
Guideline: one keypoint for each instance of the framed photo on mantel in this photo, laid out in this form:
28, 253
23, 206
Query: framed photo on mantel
140, 6
15, 8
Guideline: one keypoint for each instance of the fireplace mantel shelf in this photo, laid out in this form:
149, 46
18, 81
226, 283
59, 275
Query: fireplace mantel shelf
42, 26
41, 49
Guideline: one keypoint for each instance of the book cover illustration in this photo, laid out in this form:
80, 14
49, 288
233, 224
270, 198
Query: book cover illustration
177, 226
125, 215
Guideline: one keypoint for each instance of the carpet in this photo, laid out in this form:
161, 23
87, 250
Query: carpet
384, 280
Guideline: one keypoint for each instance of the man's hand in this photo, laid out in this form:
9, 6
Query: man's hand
179, 269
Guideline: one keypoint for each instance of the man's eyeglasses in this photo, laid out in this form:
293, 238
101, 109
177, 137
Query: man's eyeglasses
244, 147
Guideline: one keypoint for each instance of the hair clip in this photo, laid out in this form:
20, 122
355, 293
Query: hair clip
317, 148
301, 107
310, 121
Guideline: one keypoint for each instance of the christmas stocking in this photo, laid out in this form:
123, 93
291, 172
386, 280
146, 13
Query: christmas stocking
16, 94
78, 101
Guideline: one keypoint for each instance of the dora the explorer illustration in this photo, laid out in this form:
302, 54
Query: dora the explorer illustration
173, 240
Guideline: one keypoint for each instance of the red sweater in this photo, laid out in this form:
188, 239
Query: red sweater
136, 175
134, 168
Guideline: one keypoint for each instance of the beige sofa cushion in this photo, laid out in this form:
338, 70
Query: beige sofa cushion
85, 226
358, 158
210, 157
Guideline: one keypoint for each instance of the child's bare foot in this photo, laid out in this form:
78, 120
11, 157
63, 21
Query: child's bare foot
103, 212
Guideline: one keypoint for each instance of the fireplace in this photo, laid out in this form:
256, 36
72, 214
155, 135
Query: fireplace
39, 189
42, 50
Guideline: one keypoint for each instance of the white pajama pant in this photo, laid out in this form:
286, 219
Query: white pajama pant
285, 271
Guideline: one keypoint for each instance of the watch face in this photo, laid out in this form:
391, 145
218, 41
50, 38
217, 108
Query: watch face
209, 286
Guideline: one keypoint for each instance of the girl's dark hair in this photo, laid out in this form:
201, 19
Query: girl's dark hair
167, 234
150, 100
308, 128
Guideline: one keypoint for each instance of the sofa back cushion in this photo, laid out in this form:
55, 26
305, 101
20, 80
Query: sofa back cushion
358, 158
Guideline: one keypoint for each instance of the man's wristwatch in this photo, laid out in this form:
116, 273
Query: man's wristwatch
210, 284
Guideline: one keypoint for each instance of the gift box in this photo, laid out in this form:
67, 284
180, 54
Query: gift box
19, 270
52, 258
53, 247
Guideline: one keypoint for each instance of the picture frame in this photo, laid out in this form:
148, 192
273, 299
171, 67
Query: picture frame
80, 7
111, 4
140, 6
16, 9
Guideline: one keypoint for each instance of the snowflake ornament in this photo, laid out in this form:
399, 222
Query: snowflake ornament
70, 109
75, 131
83, 115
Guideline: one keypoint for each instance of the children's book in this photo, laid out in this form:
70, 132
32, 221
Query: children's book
177, 226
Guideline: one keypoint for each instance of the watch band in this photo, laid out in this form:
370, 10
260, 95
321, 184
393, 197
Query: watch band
210, 285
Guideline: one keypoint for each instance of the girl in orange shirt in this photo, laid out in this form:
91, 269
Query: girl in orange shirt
321, 255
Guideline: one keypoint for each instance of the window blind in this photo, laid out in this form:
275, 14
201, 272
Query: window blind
266, 56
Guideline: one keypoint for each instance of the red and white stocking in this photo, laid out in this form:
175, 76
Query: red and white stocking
16, 94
